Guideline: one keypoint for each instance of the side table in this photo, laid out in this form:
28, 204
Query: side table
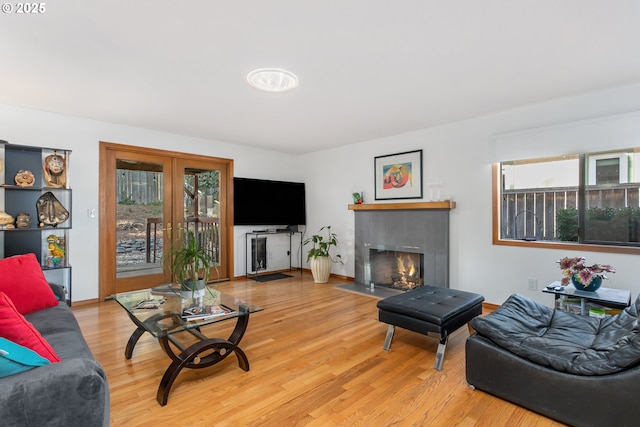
613, 298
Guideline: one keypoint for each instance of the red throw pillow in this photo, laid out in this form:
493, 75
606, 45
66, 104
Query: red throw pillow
14, 327
22, 279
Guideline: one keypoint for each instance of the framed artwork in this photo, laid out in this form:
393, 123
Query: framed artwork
398, 176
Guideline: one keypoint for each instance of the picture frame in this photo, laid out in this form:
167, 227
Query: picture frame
398, 176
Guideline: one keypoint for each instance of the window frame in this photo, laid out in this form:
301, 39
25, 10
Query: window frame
496, 240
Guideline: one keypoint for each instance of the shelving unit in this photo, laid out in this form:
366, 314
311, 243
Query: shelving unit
16, 199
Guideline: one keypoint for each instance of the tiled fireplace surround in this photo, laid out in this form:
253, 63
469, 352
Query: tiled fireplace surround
418, 227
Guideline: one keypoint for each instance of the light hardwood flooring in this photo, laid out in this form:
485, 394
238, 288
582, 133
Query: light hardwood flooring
316, 359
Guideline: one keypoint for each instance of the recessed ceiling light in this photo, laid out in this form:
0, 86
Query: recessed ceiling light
272, 79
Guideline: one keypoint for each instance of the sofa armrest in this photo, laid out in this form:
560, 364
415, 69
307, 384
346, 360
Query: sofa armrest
59, 291
69, 393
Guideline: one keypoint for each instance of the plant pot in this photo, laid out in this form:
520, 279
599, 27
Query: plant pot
191, 291
320, 269
592, 286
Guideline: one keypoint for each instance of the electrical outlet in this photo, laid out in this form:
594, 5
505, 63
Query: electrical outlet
533, 284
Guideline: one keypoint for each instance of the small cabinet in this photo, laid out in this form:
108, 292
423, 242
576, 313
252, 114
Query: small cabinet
35, 200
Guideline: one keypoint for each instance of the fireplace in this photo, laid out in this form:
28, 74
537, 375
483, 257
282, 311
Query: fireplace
418, 231
394, 267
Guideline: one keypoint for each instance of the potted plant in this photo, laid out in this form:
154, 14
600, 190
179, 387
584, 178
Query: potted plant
190, 265
319, 256
584, 277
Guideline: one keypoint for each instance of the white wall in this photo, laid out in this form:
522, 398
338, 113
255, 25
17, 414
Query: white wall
38, 128
459, 155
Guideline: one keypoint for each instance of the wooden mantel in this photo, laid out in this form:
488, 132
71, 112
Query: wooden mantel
402, 206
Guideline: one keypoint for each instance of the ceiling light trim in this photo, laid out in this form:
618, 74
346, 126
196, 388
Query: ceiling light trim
272, 79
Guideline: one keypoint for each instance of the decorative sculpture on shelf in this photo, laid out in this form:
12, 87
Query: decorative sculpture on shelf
55, 245
50, 210
23, 220
25, 178
55, 171
6, 220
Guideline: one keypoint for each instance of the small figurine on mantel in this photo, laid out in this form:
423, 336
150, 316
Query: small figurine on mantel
55, 171
358, 198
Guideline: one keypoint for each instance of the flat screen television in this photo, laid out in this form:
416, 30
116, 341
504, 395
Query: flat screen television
265, 202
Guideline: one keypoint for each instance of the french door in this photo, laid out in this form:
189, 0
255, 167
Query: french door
148, 199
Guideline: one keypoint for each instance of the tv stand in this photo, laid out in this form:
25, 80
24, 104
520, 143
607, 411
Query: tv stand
263, 233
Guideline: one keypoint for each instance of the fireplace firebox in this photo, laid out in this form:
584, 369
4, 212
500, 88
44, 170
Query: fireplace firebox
394, 267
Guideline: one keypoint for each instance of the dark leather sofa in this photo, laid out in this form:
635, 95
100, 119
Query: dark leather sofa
575, 369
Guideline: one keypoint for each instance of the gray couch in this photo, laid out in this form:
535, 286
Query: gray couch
576, 369
73, 392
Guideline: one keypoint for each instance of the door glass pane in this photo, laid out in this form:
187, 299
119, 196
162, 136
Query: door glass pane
202, 210
139, 218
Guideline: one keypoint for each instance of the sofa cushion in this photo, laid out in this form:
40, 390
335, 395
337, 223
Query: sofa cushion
15, 358
14, 327
63, 334
22, 279
567, 342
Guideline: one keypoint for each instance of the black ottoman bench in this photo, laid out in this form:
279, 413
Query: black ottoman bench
429, 309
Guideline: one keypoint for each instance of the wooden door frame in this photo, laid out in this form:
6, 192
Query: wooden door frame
106, 274
108, 218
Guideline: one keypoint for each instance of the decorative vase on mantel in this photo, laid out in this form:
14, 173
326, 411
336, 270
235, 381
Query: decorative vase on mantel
592, 286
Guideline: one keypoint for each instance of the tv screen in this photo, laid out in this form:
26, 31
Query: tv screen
265, 202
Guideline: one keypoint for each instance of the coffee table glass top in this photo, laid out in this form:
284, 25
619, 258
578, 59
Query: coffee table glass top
162, 311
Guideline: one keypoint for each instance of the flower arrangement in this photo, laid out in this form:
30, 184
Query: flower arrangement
583, 273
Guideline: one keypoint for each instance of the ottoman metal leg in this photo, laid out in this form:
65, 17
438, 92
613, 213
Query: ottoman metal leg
387, 341
440, 353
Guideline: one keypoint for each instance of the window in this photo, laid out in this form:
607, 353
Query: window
545, 200
608, 169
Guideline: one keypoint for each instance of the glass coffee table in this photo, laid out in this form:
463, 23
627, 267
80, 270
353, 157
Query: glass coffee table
164, 312
614, 298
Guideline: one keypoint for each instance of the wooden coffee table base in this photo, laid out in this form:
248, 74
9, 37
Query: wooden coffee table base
206, 352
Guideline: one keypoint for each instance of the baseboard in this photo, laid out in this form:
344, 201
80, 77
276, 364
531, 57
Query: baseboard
84, 302
294, 270
341, 277
490, 307
297, 270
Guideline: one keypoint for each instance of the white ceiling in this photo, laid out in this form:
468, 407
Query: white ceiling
367, 68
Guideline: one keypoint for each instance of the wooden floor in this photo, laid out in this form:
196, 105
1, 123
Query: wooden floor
316, 359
